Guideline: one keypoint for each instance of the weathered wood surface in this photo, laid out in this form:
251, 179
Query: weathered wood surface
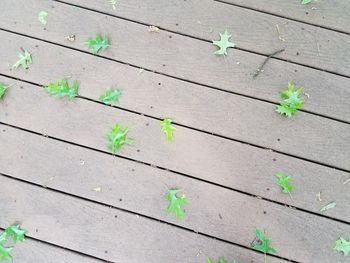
328, 14
109, 233
178, 56
251, 30
39, 252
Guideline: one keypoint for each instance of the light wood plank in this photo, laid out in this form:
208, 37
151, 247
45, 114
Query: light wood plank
251, 30
329, 14
109, 233
177, 56
235, 165
39, 252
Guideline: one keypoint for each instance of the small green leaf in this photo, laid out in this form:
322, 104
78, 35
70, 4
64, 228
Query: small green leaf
328, 206
16, 233
3, 89
168, 129
208, 260
342, 245
290, 102
284, 183
223, 44
113, 4
264, 245
98, 43
61, 89
305, 2
221, 260
24, 60
176, 203
111, 97
42, 17
117, 138
5, 253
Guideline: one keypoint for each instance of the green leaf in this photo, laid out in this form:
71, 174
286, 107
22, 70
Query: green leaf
24, 60
61, 89
98, 43
3, 89
328, 206
168, 129
42, 17
176, 203
111, 97
113, 4
290, 102
208, 260
5, 253
342, 245
16, 233
264, 245
223, 44
117, 138
305, 2
221, 260
284, 182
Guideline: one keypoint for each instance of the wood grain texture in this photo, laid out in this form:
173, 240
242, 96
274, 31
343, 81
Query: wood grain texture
178, 56
109, 233
224, 162
251, 30
329, 14
39, 252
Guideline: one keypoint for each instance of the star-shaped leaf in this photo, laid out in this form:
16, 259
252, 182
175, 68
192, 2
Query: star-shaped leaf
3, 89
16, 233
176, 203
168, 129
61, 89
342, 245
5, 253
264, 243
98, 43
284, 182
290, 102
117, 138
223, 44
111, 97
24, 60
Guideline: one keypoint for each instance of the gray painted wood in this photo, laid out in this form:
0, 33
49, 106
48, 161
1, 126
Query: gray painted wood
178, 56
251, 30
109, 233
39, 252
329, 14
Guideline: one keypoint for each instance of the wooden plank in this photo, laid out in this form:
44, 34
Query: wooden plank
236, 165
109, 233
166, 95
251, 30
328, 14
39, 252
177, 56
78, 177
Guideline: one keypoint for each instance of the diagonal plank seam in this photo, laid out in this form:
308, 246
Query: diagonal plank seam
285, 17
171, 171
141, 215
204, 40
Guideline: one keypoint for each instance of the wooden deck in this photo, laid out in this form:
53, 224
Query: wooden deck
229, 141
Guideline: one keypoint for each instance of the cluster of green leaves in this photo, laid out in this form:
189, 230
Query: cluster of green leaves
117, 138
342, 245
223, 44
111, 97
61, 89
3, 89
176, 203
25, 59
16, 234
305, 2
98, 43
264, 243
222, 260
168, 129
284, 183
290, 101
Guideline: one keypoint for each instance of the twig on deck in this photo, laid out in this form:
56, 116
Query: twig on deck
260, 69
